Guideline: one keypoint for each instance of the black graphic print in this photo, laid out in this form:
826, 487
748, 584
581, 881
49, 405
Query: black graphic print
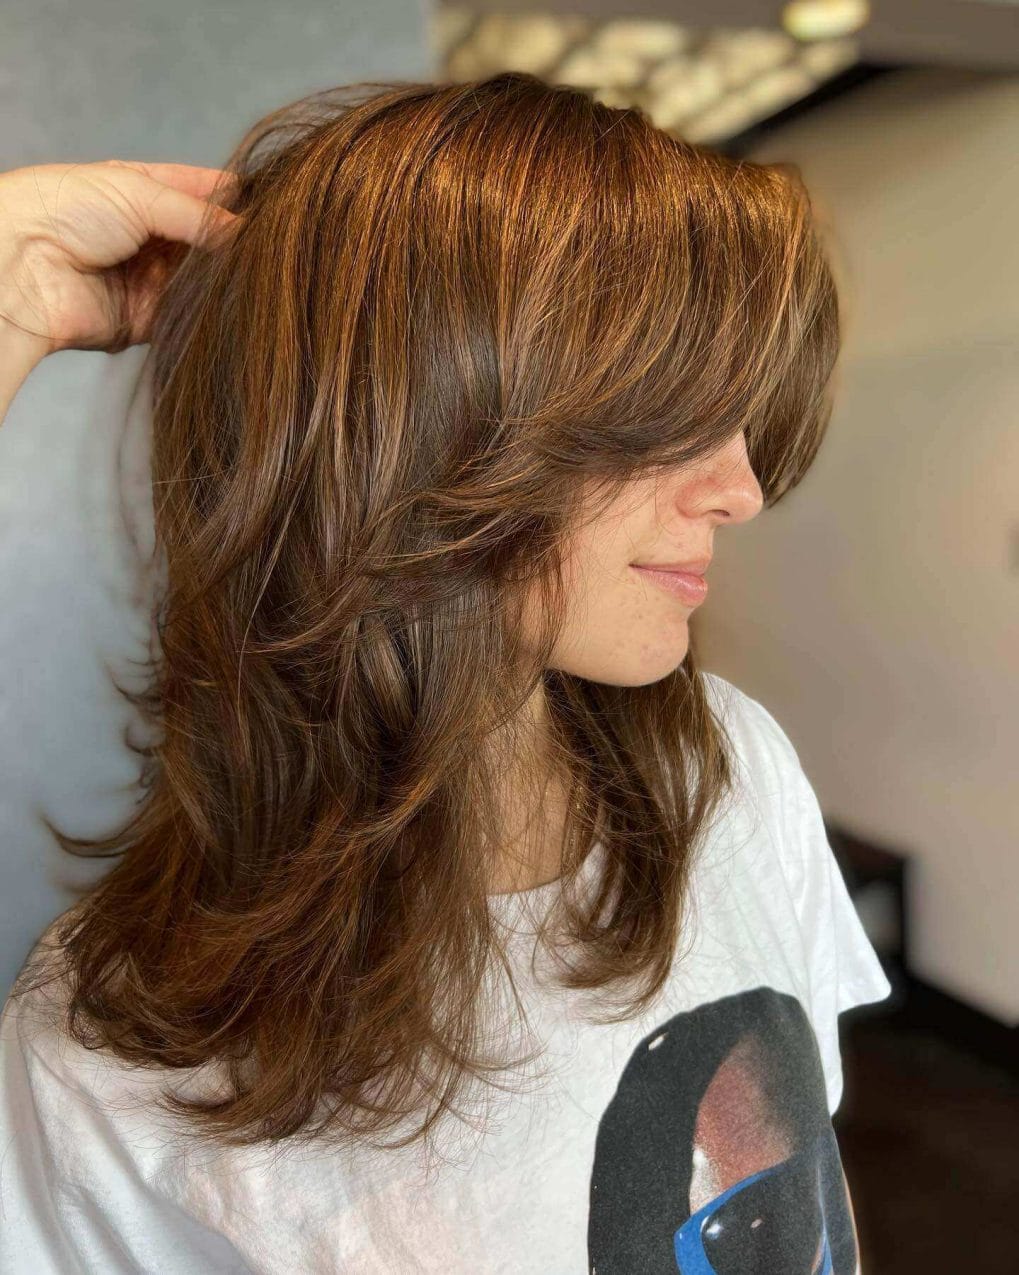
716, 1154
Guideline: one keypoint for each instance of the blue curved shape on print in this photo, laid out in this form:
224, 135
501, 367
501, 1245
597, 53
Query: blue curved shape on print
691, 1248
789, 1218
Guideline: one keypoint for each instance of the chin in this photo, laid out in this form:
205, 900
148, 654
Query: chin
647, 674
633, 661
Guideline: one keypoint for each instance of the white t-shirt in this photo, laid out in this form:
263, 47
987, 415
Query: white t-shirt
696, 1138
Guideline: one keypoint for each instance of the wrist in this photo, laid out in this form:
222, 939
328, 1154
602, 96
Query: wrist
19, 326
21, 350
20, 345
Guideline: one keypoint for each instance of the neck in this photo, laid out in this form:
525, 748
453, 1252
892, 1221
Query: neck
534, 803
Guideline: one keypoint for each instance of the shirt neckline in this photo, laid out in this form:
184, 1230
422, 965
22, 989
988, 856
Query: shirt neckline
522, 910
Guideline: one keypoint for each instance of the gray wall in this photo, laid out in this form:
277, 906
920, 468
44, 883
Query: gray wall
92, 80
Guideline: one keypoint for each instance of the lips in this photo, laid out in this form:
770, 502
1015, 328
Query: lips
690, 586
697, 567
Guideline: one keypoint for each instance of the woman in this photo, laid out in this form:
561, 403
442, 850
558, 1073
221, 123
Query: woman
443, 378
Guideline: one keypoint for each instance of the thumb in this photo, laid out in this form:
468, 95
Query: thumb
173, 214
169, 212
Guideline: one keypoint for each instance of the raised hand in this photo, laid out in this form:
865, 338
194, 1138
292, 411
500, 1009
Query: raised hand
85, 249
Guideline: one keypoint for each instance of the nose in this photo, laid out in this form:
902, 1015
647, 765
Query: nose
729, 488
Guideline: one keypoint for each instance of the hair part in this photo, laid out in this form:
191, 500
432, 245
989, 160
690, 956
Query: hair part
448, 309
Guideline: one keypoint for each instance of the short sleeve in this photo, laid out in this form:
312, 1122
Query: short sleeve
842, 968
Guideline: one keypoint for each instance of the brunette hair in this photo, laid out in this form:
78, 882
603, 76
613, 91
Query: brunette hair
448, 315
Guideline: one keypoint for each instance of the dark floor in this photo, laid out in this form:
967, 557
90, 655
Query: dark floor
929, 1135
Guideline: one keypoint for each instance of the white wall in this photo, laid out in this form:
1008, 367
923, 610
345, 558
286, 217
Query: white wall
876, 610
87, 81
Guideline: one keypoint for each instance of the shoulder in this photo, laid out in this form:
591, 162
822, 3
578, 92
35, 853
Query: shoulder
761, 744
91, 1176
42, 1069
33, 1013
48, 1073
770, 785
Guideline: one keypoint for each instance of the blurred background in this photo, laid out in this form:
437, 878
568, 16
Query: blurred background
875, 611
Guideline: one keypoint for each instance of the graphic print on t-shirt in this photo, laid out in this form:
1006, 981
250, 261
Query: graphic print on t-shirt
716, 1154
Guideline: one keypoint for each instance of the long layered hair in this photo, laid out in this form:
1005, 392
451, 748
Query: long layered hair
448, 317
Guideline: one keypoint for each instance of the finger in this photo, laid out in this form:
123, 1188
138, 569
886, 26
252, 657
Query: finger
176, 214
191, 178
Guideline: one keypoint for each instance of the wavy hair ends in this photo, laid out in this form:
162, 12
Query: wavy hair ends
446, 311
